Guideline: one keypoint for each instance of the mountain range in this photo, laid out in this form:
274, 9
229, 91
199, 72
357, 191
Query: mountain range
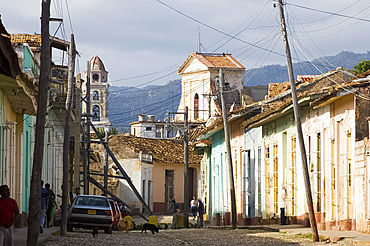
126, 103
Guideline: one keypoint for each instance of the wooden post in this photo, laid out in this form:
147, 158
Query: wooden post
76, 169
186, 170
228, 151
71, 66
315, 235
33, 220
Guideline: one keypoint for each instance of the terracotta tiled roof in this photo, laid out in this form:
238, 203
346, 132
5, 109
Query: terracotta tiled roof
31, 39
320, 85
162, 150
34, 40
217, 60
307, 78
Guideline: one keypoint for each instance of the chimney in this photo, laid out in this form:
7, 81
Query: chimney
151, 118
141, 117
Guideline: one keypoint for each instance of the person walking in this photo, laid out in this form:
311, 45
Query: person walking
174, 217
50, 203
44, 193
193, 207
9, 213
200, 213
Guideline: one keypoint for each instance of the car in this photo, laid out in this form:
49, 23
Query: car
116, 213
89, 211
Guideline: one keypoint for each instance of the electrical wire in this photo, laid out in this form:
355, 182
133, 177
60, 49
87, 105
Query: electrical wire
327, 12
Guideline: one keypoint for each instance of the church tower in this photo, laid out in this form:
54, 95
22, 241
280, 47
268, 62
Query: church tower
99, 93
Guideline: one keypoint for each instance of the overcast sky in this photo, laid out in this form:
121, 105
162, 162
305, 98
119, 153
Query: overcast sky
145, 42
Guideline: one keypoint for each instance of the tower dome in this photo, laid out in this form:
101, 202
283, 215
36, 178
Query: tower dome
96, 64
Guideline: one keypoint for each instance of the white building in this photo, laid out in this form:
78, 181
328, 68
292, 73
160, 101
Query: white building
200, 86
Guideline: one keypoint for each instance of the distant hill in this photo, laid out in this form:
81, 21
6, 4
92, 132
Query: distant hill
278, 73
126, 103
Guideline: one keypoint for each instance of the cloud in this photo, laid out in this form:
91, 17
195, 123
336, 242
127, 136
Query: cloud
139, 37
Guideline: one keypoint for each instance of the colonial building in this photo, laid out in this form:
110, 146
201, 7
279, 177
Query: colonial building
200, 87
155, 167
99, 93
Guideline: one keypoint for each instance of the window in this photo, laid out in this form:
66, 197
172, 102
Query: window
96, 113
95, 77
95, 95
196, 106
148, 128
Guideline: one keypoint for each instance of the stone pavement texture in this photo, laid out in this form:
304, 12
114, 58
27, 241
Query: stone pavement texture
20, 235
244, 235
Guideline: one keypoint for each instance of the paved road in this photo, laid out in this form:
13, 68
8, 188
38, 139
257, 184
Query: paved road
181, 237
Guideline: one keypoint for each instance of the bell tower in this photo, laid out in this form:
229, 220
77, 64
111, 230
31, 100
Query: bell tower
99, 93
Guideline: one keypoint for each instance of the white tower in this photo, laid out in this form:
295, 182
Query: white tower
99, 93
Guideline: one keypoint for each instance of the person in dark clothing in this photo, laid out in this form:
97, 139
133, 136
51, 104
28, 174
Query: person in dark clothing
176, 206
200, 213
50, 203
43, 207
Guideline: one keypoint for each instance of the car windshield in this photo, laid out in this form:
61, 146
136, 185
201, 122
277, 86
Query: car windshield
92, 201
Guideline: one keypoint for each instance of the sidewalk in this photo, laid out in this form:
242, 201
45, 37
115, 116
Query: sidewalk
347, 237
20, 235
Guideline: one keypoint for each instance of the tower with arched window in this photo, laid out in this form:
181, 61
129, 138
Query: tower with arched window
200, 87
99, 93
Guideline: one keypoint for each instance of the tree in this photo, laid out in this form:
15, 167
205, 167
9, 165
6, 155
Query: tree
361, 67
113, 131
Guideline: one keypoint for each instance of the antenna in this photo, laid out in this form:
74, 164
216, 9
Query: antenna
199, 48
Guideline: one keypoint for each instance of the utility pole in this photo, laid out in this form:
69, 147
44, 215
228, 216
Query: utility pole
71, 71
228, 151
87, 142
315, 235
186, 166
209, 96
76, 168
186, 170
35, 191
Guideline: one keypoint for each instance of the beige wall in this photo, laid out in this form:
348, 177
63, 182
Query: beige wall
13, 140
237, 142
159, 173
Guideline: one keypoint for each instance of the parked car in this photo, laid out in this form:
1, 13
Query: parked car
116, 213
88, 211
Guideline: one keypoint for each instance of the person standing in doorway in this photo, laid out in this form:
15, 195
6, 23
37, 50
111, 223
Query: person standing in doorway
175, 210
193, 207
44, 194
50, 203
9, 213
200, 213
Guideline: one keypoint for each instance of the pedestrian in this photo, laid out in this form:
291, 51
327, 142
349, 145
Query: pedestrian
200, 213
193, 207
9, 213
176, 207
76, 194
123, 210
44, 194
50, 204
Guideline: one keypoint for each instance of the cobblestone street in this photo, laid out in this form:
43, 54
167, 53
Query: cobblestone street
182, 237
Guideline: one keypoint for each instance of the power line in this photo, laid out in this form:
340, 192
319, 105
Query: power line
219, 31
326, 12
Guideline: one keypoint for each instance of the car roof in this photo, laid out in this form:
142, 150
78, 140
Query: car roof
92, 196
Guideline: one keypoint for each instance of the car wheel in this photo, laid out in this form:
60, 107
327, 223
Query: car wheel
114, 227
108, 230
69, 227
